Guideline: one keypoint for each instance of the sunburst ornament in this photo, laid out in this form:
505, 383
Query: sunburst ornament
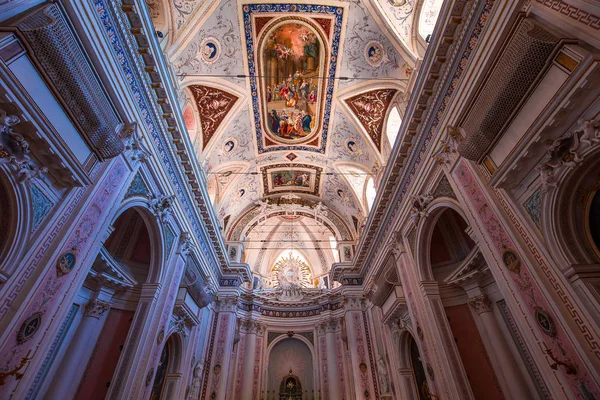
291, 271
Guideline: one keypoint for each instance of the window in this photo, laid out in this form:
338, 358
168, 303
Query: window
370, 193
393, 125
429, 15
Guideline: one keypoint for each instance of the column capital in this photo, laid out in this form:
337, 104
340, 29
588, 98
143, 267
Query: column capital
96, 308
481, 304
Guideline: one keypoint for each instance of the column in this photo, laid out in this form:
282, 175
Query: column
360, 363
436, 344
506, 367
217, 379
323, 365
250, 328
333, 372
72, 366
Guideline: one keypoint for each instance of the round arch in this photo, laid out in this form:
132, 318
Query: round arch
307, 343
425, 233
168, 371
565, 220
158, 257
16, 214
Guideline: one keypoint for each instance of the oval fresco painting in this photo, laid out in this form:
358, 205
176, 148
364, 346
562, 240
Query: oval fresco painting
293, 59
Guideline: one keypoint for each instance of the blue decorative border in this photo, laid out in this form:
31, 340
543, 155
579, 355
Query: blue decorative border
151, 121
338, 12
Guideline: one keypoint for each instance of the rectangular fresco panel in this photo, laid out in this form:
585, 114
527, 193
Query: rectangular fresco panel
290, 178
280, 179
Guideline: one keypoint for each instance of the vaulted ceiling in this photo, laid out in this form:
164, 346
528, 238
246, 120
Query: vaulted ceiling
287, 107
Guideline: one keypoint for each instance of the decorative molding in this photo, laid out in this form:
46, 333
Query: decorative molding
526, 356
481, 304
96, 308
14, 149
533, 206
162, 205
581, 16
66, 68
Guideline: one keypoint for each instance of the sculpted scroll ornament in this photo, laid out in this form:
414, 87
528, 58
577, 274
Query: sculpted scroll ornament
566, 151
420, 203
96, 308
161, 206
14, 149
481, 304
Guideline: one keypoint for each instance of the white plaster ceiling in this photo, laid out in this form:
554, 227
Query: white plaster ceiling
206, 44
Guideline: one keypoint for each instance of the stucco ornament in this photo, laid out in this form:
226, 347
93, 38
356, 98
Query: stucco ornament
14, 149
161, 206
420, 203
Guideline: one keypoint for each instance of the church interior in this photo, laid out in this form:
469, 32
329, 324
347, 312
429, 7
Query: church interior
299, 200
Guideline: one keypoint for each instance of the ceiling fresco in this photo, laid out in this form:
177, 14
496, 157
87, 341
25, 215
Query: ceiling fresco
292, 61
286, 104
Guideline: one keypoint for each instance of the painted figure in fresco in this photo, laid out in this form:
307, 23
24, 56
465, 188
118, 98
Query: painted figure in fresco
291, 60
209, 51
274, 121
291, 178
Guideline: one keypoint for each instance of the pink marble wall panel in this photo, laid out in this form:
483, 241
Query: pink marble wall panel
482, 378
529, 295
240, 366
106, 355
52, 288
257, 366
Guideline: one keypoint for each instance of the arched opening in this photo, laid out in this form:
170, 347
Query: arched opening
450, 244
569, 217
450, 253
167, 370
161, 374
418, 370
293, 355
107, 307
9, 218
593, 219
190, 123
393, 126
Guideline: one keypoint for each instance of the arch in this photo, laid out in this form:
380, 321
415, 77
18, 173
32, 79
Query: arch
16, 215
251, 218
565, 220
158, 256
425, 232
168, 371
315, 363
